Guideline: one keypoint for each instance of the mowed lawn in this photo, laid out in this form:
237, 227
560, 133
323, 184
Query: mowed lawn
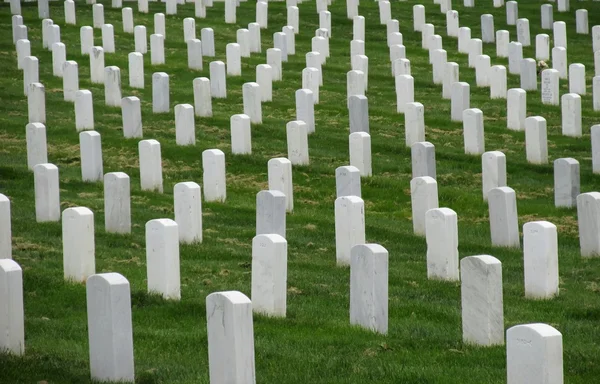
315, 343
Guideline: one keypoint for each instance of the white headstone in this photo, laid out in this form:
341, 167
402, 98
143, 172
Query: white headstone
90, 149
512, 12
423, 159
473, 134
540, 259
347, 181
37, 152
497, 78
588, 217
464, 39
213, 175
117, 203
460, 100
487, 28
269, 274
528, 75
218, 82
577, 79
452, 24
349, 226
132, 117
560, 34
515, 56
84, 110
547, 17
274, 60
97, 15
185, 130
97, 65
47, 192
127, 16
534, 354
305, 108
140, 39
194, 51
23, 50
481, 300
504, 225
70, 80
502, 41
516, 109
188, 211
482, 69
78, 244
566, 182
12, 318
252, 102
297, 142
59, 56
162, 258
270, 212
405, 92
5, 229
207, 36
360, 152
441, 232
542, 47
36, 103
262, 9
451, 76
160, 92
414, 123
550, 88
493, 171
109, 327
157, 49
536, 140
423, 196
108, 38
571, 114
230, 336
112, 86
523, 34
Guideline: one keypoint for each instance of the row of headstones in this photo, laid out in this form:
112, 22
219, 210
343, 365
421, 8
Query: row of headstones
109, 309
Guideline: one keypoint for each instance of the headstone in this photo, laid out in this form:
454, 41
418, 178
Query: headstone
359, 113
540, 259
202, 97
132, 117
194, 51
441, 232
162, 258
487, 28
588, 217
78, 244
360, 63
262, 9
512, 12
385, 12
151, 178
423, 196
516, 109
418, 17
503, 217
37, 152
596, 93
475, 49
5, 231
423, 159
502, 41
596, 38
481, 300
185, 130
47, 192
171, 7
157, 49
414, 124
559, 61
528, 75
305, 108
360, 152
534, 354
452, 24
358, 28
461, 99
97, 15
493, 171
143, 6
59, 56
109, 327
581, 21
451, 76
577, 79
23, 50
189, 29
97, 65
241, 138
230, 336
482, 70
108, 38
84, 110
280, 42
140, 39
252, 102
160, 92
293, 17
199, 9
243, 39
542, 47
523, 34
464, 39
560, 34
473, 135
347, 181
36, 103
571, 114
274, 60
563, 5
369, 287
536, 140
117, 203
90, 149
497, 78
297, 142
127, 16
269, 275
270, 212
207, 36
547, 17
12, 318
550, 90
159, 24
440, 58
402, 66
325, 21
17, 31
112, 86
213, 176
349, 226
280, 179
30, 72
566, 182
234, 59
515, 56
404, 92
230, 11
188, 211
427, 30
218, 82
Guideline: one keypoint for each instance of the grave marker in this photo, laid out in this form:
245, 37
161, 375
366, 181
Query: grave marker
78, 244
441, 230
162, 258
423, 196
213, 175
566, 182
536, 140
349, 227
269, 275
47, 192
90, 150
117, 203
12, 338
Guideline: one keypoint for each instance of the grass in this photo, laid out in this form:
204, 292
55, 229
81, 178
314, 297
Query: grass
315, 343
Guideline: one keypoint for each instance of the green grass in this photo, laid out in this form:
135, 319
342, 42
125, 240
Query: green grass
315, 343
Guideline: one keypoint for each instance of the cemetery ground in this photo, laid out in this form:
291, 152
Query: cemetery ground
315, 342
